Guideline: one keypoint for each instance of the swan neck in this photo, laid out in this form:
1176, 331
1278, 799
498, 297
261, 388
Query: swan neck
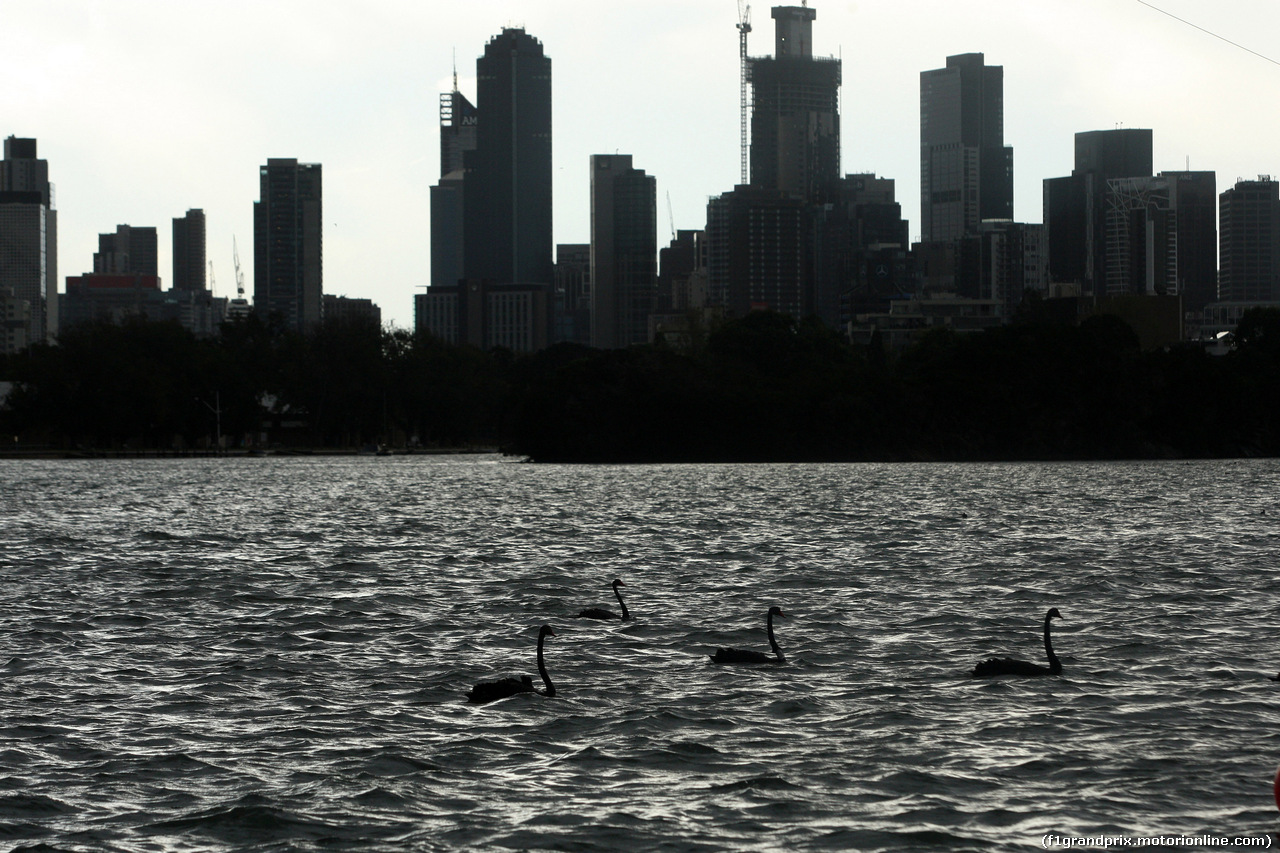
618, 592
542, 669
773, 642
1054, 663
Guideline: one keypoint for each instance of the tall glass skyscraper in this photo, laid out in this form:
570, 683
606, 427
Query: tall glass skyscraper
28, 244
966, 170
507, 195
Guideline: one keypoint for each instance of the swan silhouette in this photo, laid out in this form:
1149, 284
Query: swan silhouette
490, 691
749, 655
1010, 666
602, 613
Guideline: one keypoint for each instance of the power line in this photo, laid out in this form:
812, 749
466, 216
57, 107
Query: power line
1208, 32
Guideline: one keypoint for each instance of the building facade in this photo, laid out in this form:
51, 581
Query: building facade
966, 170
1250, 241
624, 251
795, 118
131, 250
189, 251
288, 245
28, 244
507, 199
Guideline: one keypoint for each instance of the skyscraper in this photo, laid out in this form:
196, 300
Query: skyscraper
624, 251
1250, 241
288, 243
795, 120
28, 243
458, 128
966, 170
1075, 207
189, 251
507, 196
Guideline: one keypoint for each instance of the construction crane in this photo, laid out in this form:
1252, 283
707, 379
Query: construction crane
744, 27
671, 218
238, 307
235, 254
212, 288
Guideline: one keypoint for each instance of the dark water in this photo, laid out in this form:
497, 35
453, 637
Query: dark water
271, 654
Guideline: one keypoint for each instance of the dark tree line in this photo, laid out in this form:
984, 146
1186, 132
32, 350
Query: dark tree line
760, 388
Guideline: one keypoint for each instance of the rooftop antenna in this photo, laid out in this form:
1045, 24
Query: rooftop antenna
744, 27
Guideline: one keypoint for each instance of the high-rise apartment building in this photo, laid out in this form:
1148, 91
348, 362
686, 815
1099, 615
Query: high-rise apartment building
288, 243
189, 251
507, 195
624, 251
28, 245
131, 250
966, 170
757, 255
795, 119
1250, 241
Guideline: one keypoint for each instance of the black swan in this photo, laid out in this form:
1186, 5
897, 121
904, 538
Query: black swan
601, 613
750, 656
489, 691
1009, 666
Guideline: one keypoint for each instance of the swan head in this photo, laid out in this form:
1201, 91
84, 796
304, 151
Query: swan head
617, 583
776, 611
546, 631
1053, 614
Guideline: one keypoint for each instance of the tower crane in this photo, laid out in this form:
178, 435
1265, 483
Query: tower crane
235, 254
744, 27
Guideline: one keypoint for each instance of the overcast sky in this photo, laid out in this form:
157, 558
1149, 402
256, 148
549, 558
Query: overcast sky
145, 108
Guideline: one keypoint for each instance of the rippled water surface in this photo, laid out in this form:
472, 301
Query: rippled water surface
272, 654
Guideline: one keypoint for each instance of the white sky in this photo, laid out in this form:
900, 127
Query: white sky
145, 108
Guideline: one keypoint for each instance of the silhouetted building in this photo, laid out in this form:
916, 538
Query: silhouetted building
507, 200
28, 244
682, 273
1161, 235
1013, 262
288, 248
863, 256
114, 297
572, 309
458, 129
795, 119
966, 170
624, 251
1075, 207
129, 251
347, 309
1250, 242
488, 315
189, 251
758, 252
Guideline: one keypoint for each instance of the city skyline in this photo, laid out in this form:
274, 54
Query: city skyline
358, 92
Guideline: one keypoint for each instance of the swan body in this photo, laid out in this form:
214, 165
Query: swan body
602, 613
1011, 666
723, 655
491, 691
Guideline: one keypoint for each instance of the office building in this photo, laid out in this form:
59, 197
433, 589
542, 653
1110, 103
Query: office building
624, 251
28, 245
189, 251
572, 308
1250, 241
129, 251
966, 170
507, 197
288, 244
795, 119
458, 129
1075, 207
1161, 236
